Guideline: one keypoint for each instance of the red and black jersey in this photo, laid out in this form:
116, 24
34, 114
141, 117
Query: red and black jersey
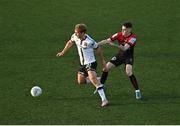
131, 40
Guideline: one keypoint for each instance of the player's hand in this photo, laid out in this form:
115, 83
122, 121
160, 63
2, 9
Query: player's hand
60, 54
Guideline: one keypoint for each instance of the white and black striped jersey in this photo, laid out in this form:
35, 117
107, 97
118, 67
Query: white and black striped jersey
85, 49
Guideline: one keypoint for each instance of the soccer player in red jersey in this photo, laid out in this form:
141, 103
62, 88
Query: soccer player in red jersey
126, 43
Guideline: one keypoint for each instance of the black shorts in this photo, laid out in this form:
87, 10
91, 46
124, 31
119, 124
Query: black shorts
119, 59
84, 68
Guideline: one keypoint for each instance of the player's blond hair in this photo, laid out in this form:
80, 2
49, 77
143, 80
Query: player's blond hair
82, 27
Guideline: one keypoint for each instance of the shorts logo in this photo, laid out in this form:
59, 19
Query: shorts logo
114, 58
88, 66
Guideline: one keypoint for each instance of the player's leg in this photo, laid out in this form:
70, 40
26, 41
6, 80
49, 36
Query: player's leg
114, 62
88, 80
93, 78
104, 75
81, 78
129, 72
82, 75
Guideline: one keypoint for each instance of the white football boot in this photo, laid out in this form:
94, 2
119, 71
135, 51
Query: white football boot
104, 103
138, 94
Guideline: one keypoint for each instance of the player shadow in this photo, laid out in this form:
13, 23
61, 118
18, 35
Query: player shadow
74, 98
153, 99
117, 100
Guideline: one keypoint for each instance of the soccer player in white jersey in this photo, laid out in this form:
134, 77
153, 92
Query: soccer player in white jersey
85, 46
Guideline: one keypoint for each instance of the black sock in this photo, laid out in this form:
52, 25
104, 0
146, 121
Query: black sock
104, 77
134, 81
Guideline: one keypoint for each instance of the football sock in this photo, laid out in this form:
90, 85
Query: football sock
134, 81
104, 77
101, 93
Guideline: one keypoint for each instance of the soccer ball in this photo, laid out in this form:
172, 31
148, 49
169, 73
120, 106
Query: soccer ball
36, 91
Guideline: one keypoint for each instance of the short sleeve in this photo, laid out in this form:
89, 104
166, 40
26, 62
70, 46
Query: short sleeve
132, 41
73, 38
95, 45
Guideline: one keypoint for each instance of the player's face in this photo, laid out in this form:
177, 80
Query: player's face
79, 34
126, 31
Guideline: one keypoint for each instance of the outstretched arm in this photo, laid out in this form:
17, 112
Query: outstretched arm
122, 47
106, 41
66, 48
100, 54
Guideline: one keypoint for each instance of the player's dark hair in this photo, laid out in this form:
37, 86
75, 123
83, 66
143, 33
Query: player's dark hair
82, 27
127, 24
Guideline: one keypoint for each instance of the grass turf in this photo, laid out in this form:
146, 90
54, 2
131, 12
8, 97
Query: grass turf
33, 31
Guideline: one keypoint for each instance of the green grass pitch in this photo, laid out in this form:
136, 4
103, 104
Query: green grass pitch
33, 31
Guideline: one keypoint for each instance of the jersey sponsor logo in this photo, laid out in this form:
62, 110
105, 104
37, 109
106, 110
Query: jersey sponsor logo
85, 45
132, 40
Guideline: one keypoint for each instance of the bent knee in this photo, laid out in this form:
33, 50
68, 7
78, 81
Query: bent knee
129, 73
106, 70
108, 67
92, 78
81, 82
